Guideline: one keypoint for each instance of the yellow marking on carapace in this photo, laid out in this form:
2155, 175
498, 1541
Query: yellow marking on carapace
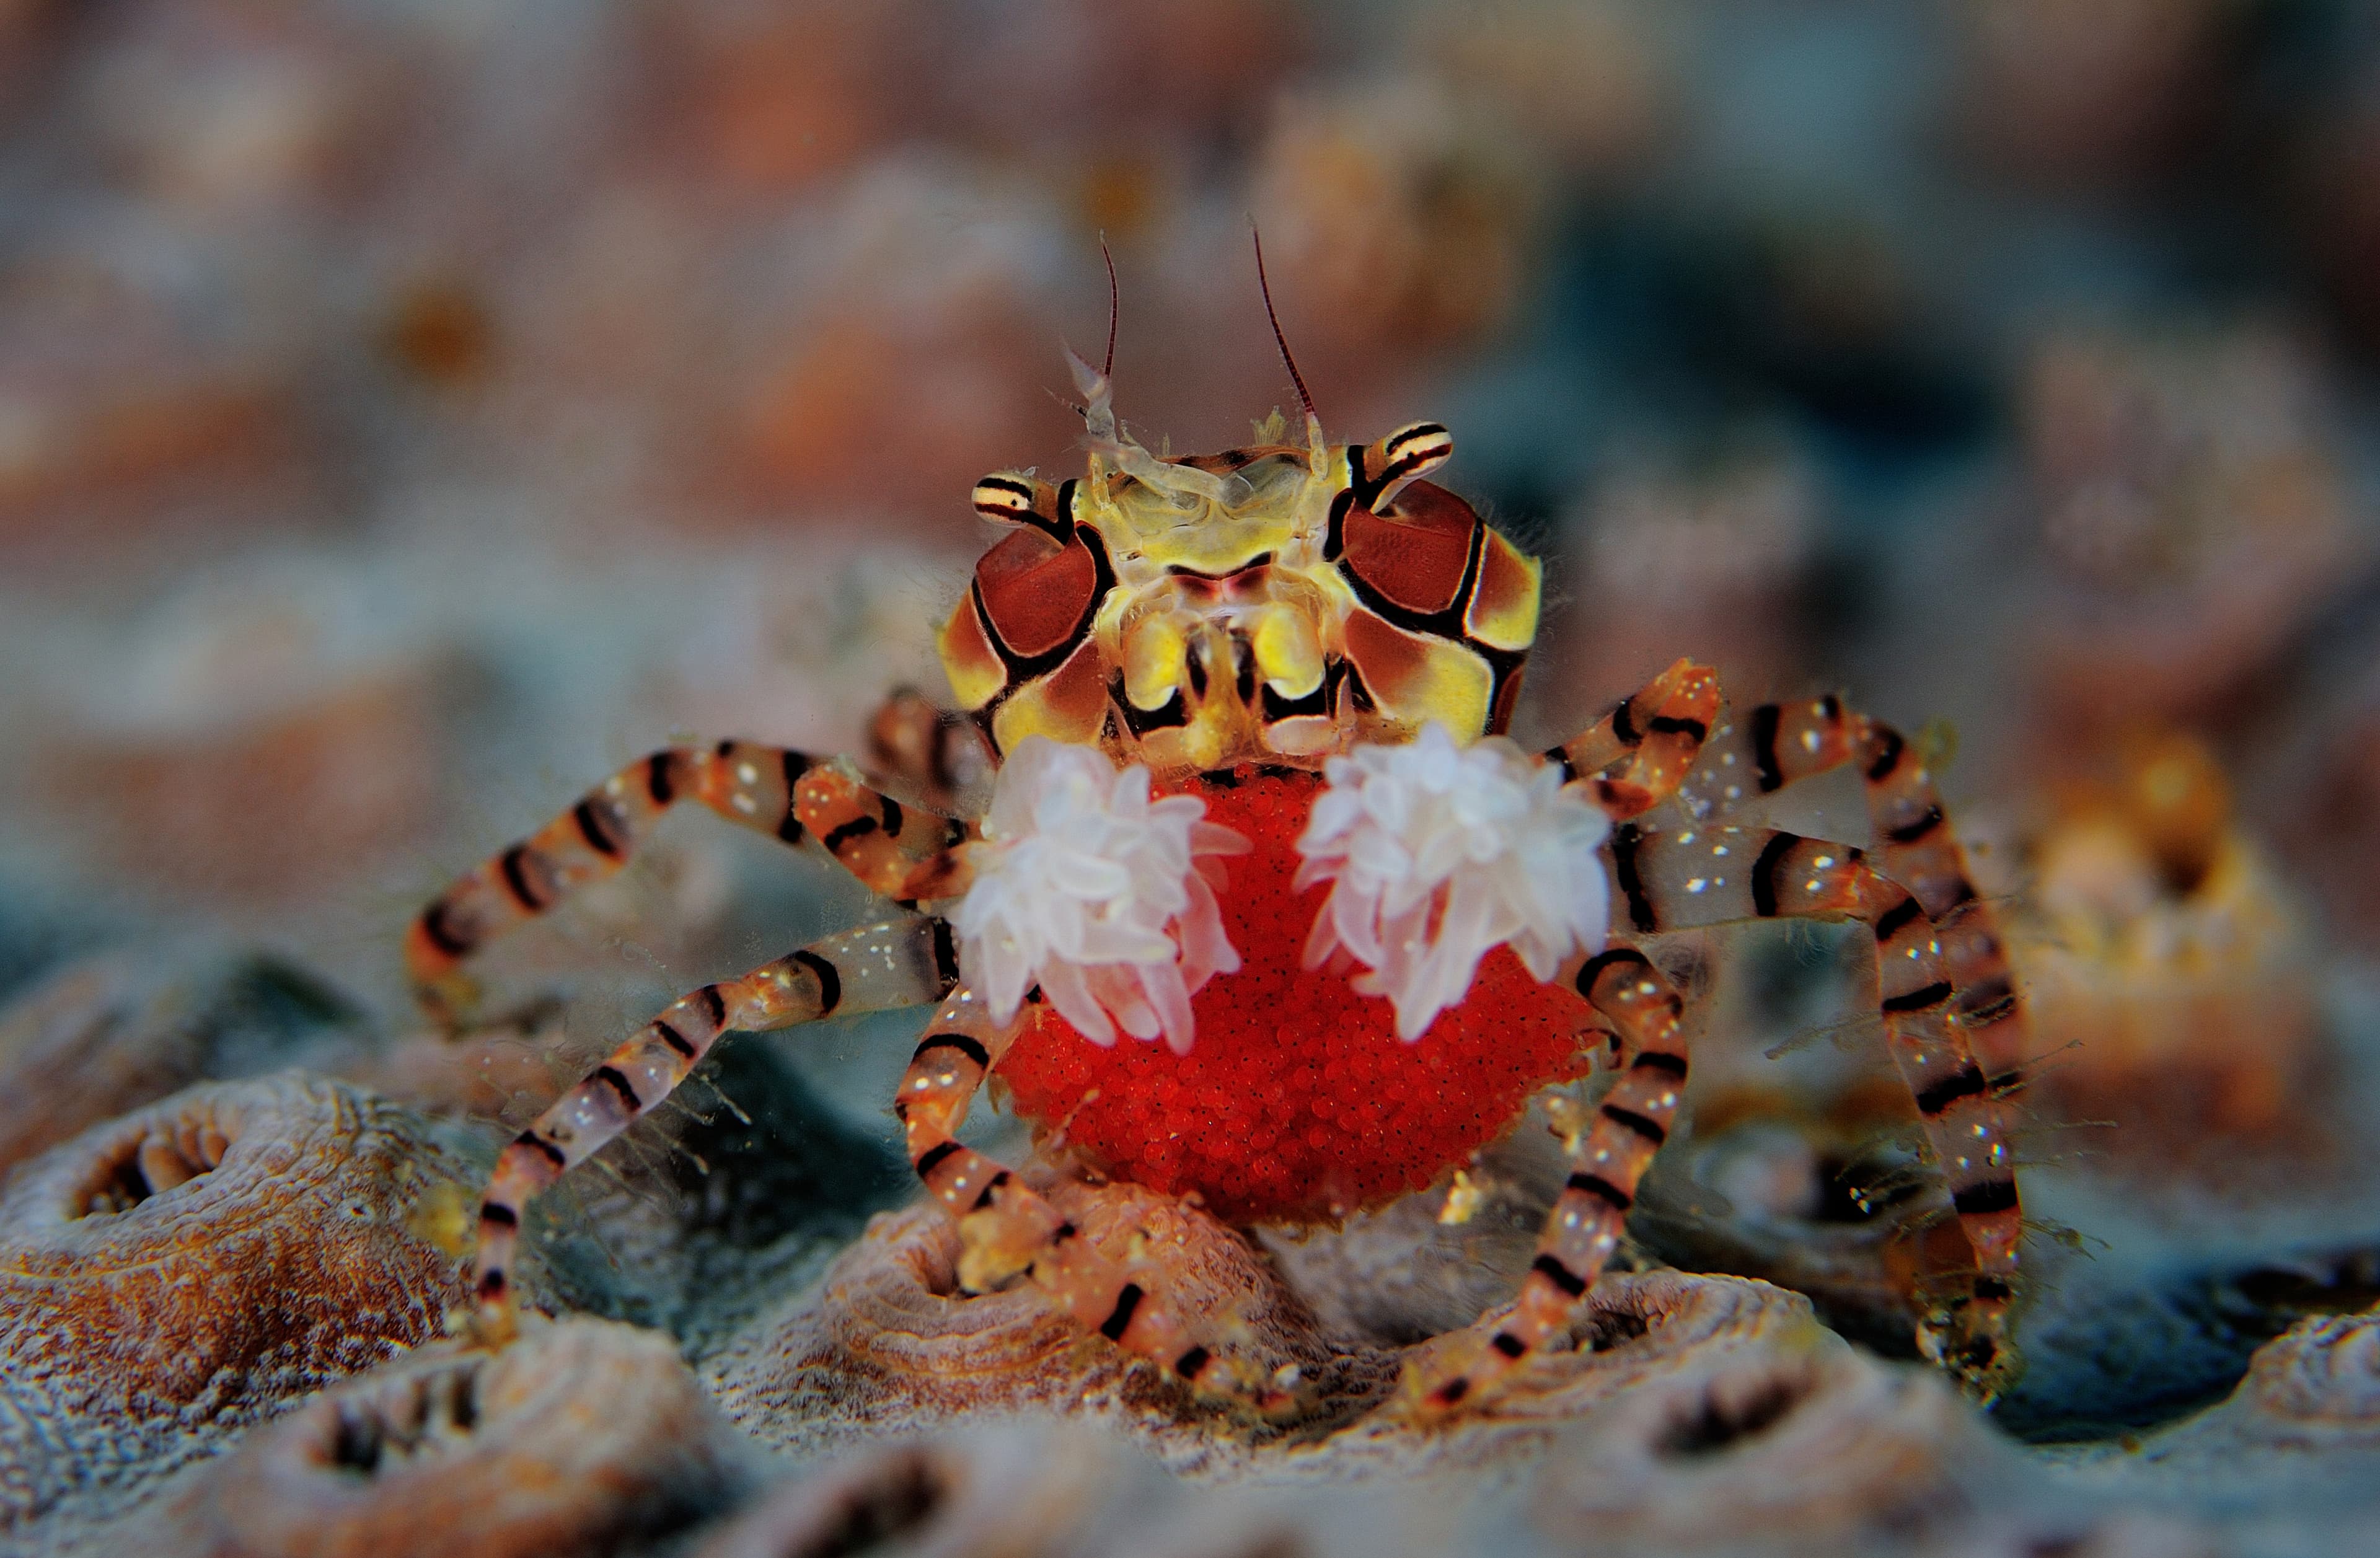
1235, 619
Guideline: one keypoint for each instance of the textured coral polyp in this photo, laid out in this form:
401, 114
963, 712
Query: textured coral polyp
1297, 1103
190, 1267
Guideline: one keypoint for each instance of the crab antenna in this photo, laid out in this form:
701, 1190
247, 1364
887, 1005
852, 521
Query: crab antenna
1280, 340
1106, 369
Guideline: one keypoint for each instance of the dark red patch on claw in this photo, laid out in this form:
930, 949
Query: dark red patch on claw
1297, 1103
1416, 554
1037, 592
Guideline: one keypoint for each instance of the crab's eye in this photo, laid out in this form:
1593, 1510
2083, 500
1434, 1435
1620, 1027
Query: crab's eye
1004, 498
1038, 594
1410, 451
1416, 554
1020, 500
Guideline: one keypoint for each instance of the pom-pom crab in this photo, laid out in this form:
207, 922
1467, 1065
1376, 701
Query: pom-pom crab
1266, 909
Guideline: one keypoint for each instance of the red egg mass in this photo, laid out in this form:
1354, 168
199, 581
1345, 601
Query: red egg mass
1298, 1102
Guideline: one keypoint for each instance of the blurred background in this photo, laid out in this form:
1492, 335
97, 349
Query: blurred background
410, 410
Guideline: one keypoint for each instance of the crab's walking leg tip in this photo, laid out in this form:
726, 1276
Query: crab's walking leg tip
1234, 1382
483, 1325
1434, 1390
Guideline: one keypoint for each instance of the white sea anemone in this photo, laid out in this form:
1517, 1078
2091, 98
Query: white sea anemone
1104, 897
1437, 853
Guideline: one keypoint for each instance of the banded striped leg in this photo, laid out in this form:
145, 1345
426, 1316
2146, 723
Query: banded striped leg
905, 963
785, 794
1705, 875
1776, 744
1606, 1162
1657, 732
1007, 1230
876, 839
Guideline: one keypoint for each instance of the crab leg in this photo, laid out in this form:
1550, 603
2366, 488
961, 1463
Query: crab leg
1657, 732
1776, 744
1006, 1228
1714, 876
905, 963
1606, 1163
1668, 737
1703, 876
774, 790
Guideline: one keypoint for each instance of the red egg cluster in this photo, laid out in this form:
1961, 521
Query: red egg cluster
1297, 1103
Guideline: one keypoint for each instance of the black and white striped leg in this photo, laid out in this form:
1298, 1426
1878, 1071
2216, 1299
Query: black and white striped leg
903, 964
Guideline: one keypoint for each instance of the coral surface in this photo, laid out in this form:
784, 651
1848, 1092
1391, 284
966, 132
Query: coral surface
887, 1344
193, 1266
585, 1436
